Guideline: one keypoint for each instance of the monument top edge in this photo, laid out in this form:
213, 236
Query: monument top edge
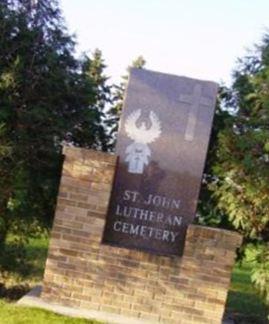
142, 71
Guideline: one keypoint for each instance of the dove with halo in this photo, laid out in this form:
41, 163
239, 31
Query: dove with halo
138, 153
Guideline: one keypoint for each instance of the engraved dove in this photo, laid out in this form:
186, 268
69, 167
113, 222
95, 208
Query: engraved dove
138, 153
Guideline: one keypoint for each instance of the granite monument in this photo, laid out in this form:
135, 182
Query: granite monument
137, 276
162, 145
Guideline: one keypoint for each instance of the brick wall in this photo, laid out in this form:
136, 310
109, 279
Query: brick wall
81, 272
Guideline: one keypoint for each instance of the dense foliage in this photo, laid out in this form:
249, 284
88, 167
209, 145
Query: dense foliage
47, 97
238, 168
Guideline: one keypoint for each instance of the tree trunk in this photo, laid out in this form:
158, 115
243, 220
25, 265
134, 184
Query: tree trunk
3, 219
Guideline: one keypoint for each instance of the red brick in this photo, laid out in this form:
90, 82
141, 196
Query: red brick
83, 272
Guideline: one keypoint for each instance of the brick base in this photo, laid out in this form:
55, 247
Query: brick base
82, 272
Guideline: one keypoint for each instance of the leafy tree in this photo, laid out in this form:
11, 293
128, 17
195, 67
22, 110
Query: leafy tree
208, 212
241, 166
47, 97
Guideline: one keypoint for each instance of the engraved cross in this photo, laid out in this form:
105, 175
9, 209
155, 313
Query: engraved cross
194, 100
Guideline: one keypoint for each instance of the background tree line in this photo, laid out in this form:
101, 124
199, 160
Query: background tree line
48, 98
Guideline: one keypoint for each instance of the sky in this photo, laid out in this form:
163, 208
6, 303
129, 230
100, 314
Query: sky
196, 38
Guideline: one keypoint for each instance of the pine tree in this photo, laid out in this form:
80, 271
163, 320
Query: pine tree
95, 135
46, 94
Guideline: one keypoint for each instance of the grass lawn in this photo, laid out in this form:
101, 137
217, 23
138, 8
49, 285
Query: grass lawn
243, 304
10, 314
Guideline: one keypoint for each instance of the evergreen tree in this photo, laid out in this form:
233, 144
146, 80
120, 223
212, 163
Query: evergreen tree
47, 97
95, 134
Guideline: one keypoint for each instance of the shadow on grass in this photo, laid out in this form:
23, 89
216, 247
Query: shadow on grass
13, 293
244, 306
22, 264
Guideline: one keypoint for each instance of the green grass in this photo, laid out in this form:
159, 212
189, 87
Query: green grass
11, 314
243, 303
28, 273
36, 253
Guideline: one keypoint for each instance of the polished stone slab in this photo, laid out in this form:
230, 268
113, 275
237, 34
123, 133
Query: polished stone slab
162, 144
